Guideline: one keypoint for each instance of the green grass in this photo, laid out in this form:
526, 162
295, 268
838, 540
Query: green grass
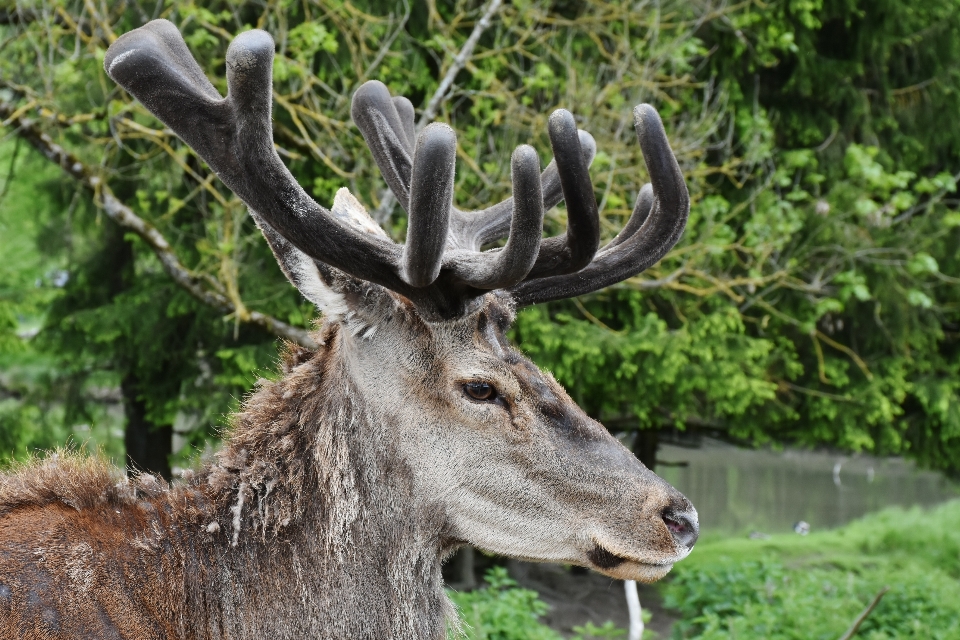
793, 587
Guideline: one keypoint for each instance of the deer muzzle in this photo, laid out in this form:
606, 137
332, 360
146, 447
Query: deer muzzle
665, 532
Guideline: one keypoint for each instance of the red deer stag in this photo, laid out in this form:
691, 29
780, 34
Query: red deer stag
412, 429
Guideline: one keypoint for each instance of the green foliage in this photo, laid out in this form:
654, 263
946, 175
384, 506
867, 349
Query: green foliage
590, 631
32, 411
814, 297
646, 366
792, 587
502, 610
846, 71
812, 300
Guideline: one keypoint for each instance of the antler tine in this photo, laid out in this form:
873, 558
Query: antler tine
407, 118
583, 220
641, 210
574, 249
477, 228
234, 136
386, 122
390, 140
154, 62
553, 192
503, 268
431, 198
660, 230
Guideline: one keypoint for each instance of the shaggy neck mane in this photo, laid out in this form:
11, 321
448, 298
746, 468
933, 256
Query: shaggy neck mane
310, 488
261, 480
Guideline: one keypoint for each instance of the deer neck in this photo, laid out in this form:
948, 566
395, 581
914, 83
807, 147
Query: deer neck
316, 509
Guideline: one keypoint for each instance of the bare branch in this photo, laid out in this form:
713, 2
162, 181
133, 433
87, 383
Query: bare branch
382, 53
125, 217
458, 63
387, 199
633, 606
658, 283
852, 631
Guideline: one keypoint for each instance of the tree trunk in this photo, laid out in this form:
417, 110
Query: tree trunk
645, 444
461, 570
148, 445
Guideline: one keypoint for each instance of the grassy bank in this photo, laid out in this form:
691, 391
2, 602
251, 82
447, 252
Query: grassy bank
794, 587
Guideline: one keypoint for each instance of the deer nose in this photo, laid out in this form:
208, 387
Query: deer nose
683, 526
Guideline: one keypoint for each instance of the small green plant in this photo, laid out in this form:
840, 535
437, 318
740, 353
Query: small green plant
501, 611
504, 611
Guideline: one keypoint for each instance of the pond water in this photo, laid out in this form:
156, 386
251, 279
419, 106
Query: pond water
738, 491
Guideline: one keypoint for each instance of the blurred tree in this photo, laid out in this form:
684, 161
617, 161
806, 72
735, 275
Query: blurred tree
812, 300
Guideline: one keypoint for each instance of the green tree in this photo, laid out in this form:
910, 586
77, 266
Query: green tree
812, 300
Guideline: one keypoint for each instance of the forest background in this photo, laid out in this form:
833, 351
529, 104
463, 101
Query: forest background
813, 299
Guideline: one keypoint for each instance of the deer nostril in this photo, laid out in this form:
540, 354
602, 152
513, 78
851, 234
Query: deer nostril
682, 526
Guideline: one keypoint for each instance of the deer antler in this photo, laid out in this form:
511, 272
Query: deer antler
441, 267
388, 135
568, 265
656, 224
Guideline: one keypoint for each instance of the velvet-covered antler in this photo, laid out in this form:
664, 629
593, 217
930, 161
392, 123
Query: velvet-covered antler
656, 224
568, 265
441, 267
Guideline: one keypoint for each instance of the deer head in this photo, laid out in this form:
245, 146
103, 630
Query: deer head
505, 459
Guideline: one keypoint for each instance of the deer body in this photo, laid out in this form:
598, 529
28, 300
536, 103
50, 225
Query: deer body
413, 428
322, 538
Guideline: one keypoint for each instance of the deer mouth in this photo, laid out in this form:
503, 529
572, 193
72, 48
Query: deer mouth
625, 568
603, 559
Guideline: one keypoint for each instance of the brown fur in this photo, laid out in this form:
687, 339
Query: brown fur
339, 490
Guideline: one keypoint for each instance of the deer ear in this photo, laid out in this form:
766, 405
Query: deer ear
321, 284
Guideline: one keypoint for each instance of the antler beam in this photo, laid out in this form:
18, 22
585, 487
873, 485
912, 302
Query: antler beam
234, 136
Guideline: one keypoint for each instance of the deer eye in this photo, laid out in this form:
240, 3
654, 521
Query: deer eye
480, 390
